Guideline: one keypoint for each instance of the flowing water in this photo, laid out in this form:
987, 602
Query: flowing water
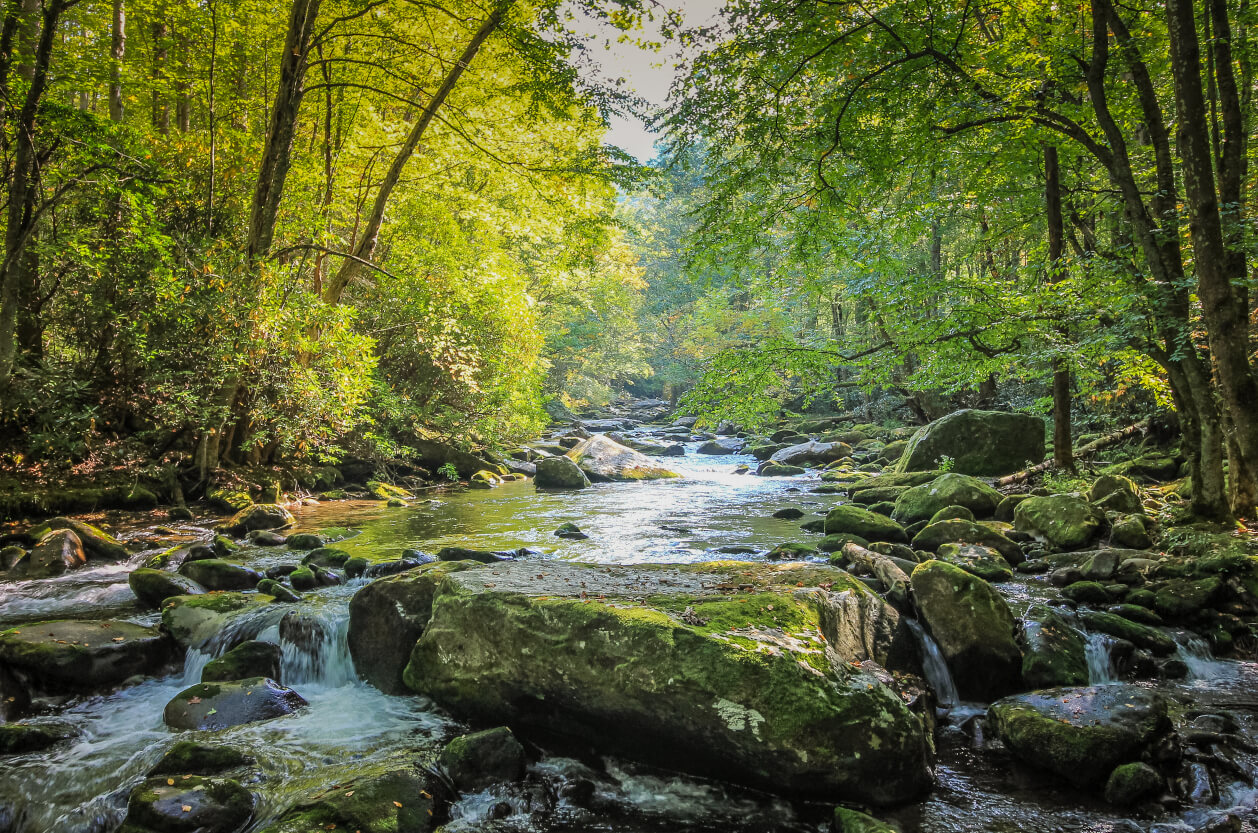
81, 786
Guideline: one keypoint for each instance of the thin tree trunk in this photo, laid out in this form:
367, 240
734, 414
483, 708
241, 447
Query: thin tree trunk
161, 112
117, 52
1063, 451
363, 252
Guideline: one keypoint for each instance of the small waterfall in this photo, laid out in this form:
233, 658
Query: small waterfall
315, 648
1196, 654
238, 629
1098, 650
934, 667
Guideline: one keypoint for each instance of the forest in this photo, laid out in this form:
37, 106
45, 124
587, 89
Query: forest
387, 446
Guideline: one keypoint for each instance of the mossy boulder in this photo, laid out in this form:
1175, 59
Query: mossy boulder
854, 520
481, 759
559, 473
57, 552
1115, 493
1181, 598
896, 480
883, 494
1130, 532
190, 805
95, 541
1081, 734
19, 739
852, 821
248, 659
220, 574
972, 625
387, 491
1063, 521
191, 758
192, 620
152, 587
1086, 592
836, 542
603, 460
957, 531
920, 503
219, 705
983, 443
714, 669
951, 513
811, 453
326, 557
770, 469
1120, 627
305, 541
73, 655
390, 796
1129, 784
258, 516
1053, 652
387, 617
484, 479
791, 551
228, 498
982, 561
278, 592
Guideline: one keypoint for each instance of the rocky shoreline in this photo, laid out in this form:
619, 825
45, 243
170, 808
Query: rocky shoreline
807, 671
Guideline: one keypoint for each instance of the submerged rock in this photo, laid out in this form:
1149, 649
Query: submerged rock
152, 587
1131, 783
18, 739
1081, 734
714, 668
983, 443
190, 758
194, 805
604, 460
72, 655
973, 626
387, 617
559, 473
223, 704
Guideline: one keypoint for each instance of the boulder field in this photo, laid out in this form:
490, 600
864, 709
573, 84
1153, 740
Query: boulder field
749, 672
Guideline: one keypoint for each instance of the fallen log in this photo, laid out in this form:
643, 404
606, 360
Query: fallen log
895, 582
1096, 445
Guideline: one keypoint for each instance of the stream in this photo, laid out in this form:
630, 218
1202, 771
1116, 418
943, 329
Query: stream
81, 786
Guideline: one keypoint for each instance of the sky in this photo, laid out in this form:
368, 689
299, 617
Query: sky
649, 74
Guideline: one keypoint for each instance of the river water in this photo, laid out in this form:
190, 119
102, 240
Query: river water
81, 786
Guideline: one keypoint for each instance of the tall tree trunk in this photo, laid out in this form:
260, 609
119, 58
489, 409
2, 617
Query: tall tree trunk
277, 151
363, 252
117, 52
161, 51
22, 195
1063, 445
1224, 309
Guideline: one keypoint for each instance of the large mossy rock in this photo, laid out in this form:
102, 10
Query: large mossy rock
390, 796
715, 669
1063, 521
559, 473
959, 531
96, 542
1116, 493
983, 443
982, 561
603, 460
855, 520
220, 705
921, 503
192, 620
973, 626
1053, 652
1081, 734
258, 516
387, 617
80, 655
152, 587
1142, 636
479, 760
220, 574
57, 552
189, 805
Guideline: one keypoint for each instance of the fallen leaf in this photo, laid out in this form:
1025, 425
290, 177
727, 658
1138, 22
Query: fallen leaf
187, 808
170, 781
397, 804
